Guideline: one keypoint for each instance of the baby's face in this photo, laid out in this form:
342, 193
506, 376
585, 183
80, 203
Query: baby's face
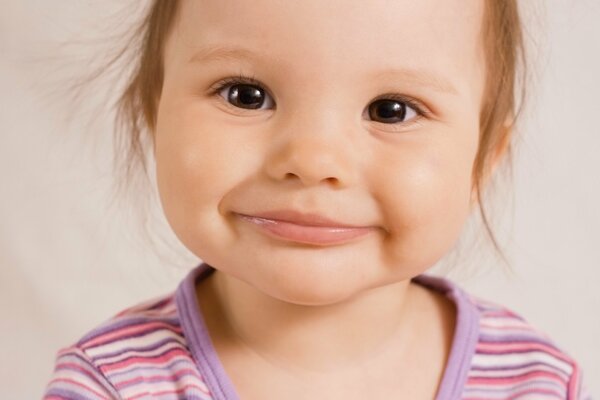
366, 112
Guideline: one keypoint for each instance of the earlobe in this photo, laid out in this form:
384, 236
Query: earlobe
501, 148
474, 197
498, 154
500, 151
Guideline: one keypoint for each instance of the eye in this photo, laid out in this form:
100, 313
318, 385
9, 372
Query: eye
243, 92
247, 93
394, 110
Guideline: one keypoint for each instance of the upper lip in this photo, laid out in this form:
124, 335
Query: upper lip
301, 218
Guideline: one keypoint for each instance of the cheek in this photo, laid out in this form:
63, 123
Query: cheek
196, 164
425, 201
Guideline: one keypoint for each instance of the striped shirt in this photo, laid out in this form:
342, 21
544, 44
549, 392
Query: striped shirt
161, 349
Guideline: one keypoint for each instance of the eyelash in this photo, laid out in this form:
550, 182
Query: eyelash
420, 109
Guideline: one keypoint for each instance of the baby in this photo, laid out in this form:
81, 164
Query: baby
319, 157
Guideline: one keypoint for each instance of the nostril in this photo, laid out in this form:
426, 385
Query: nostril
333, 180
290, 175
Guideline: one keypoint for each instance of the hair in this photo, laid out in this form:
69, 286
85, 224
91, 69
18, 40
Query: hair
504, 94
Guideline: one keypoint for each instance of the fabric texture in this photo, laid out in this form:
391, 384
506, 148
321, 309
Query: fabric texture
161, 349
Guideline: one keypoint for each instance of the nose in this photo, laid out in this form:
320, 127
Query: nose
312, 153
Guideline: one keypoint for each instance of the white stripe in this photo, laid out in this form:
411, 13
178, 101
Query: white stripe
501, 360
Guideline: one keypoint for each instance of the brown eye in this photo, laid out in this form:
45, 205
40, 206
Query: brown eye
391, 111
244, 96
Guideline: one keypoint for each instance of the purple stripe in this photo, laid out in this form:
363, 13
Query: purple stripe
514, 366
90, 369
514, 338
80, 372
67, 394
532, 385
164, 353
153, 368
148, 348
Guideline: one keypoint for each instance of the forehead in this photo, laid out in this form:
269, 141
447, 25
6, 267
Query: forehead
338, 37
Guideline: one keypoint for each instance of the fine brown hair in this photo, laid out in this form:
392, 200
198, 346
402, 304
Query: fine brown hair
502, 36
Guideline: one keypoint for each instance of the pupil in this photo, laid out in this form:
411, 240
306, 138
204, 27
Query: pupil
247, 95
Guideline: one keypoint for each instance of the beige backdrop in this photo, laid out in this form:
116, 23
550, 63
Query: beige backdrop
69, 260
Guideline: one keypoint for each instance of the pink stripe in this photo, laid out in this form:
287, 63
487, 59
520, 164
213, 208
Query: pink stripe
521, 393
518, 370
514, 379
500, 313
511, 347
124, 332
78, 368
75, 383
574, 384
507, 327
163, 359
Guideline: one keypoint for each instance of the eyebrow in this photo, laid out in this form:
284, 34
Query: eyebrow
417, 77
223, 53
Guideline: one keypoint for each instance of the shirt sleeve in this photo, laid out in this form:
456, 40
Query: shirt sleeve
75, 377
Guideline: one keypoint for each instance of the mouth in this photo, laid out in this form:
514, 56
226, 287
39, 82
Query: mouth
299, 232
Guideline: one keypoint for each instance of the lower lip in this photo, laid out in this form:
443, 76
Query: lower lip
317, 235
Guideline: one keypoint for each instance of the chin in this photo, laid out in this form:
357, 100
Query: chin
308, 298
306, 286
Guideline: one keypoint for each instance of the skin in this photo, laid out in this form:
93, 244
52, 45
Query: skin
307, 316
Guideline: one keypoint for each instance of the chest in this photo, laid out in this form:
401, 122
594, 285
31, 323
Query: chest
416, 376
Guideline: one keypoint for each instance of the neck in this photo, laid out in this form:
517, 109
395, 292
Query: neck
319, 339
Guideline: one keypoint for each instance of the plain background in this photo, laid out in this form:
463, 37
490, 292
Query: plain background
69, 259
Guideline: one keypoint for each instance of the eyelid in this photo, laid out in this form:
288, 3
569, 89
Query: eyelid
239, 79
421, 109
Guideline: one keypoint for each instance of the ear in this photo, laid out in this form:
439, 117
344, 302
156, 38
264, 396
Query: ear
498, 154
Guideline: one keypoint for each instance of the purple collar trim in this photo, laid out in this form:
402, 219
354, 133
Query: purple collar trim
198, 338
466, 336
465, 339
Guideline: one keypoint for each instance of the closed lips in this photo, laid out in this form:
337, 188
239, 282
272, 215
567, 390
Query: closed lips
298, 218
296, 231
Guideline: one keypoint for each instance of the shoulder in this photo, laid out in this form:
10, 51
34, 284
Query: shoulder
142, 322
141, 329
138, 349
514, 356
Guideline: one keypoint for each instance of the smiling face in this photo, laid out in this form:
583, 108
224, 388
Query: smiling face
364, 112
